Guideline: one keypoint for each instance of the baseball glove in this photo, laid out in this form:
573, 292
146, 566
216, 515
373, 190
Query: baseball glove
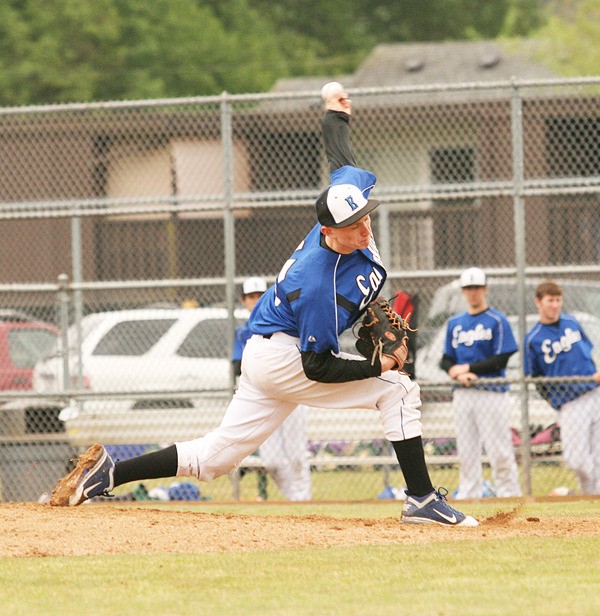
383, 332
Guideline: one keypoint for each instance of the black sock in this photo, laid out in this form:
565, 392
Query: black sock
153, 465
411, 458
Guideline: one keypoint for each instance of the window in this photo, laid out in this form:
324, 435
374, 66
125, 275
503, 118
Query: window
207, 339
573, 222
452, 165
130, 338
574, 229
28, 346
573, 146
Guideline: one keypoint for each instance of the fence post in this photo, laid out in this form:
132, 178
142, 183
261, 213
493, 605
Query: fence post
77, 276
383, 241
520, 262
63, 307
228, 224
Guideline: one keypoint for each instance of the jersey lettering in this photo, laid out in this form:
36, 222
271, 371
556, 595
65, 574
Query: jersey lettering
370, 291
552, 348
285, 269
470, 336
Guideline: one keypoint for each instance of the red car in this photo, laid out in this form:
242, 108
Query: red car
22, 344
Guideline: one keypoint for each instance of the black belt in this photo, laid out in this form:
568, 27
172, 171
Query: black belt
267, 336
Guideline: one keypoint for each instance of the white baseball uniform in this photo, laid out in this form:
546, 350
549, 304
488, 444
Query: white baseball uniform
482, 412
564, 349
318, 294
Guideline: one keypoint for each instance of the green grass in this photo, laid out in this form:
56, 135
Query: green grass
529, 576
511, 577
366, 484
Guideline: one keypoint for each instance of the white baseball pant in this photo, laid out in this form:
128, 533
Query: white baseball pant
272, 384
579, 422
285, 456
483, 417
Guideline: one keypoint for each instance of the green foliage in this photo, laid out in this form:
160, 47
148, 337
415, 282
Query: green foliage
252, 58
430, 20
55, 50
521, 18
77, 50
569, 41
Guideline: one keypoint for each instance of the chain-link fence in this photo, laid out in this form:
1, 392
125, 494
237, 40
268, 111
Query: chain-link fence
127, 229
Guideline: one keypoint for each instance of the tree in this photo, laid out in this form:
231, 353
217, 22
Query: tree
76, 50
569, 41
54, 50
346, 32
252, 56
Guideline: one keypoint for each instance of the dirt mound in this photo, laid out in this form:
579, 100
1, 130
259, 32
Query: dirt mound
31, 529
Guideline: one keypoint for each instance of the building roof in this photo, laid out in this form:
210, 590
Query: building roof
452, 61
406, 64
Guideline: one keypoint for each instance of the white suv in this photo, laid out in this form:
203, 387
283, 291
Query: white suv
181, 353
147, 349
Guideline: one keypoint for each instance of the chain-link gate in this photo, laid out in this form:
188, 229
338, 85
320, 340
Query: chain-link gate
128, 228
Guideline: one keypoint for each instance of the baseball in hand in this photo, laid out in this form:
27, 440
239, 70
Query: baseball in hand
332, 91
335, 97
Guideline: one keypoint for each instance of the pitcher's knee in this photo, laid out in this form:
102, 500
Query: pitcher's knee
194, 461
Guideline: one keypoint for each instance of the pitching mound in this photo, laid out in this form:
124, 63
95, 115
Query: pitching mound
29, 529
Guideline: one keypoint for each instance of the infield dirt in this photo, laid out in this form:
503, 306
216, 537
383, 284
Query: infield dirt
31, 529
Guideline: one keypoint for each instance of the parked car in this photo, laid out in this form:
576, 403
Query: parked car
182, 352
145, 350
22, 343
160, 374
16, 316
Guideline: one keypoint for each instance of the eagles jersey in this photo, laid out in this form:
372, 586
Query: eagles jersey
471, 338
560, 349
319, 294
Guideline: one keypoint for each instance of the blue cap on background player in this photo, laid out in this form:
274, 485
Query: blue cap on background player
346, 200
473, 277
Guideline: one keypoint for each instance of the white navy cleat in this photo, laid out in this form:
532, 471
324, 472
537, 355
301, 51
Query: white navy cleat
433, 509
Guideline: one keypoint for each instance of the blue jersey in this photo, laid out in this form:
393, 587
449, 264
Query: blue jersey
319, 294
471, 338
242, 335
560, 349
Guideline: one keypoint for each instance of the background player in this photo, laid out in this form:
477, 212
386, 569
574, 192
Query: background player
557, 346
284, 453
294, 354
479, 343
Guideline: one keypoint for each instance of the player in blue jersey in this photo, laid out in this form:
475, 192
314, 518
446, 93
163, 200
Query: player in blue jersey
557, 346
479, 343
283, 454
294, 354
